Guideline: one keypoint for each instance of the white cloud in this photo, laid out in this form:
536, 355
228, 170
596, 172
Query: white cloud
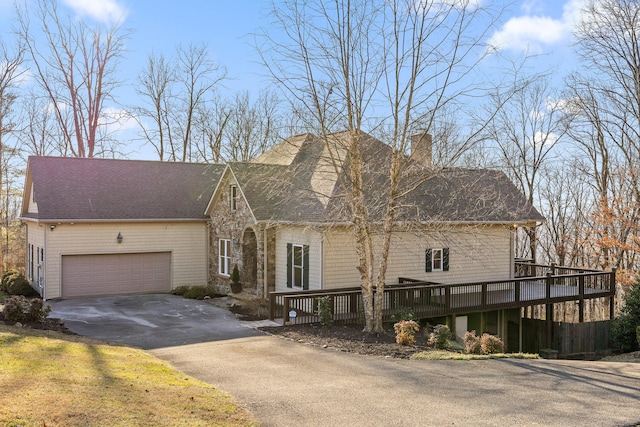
115, 120
557, 105
107, 11
541, 139
533, 33
532, 6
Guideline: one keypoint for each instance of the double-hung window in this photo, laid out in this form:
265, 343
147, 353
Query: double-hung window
30, 262
224, 256
297, 266
437, 259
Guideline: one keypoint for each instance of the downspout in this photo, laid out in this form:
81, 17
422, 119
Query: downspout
322, 261
47, 230
265, 286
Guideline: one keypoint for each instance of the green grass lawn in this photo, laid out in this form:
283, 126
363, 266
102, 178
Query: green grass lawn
51, 379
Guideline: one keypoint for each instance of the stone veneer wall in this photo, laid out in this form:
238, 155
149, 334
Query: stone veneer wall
227, 224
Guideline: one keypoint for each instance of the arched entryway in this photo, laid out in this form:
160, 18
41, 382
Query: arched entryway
249, 259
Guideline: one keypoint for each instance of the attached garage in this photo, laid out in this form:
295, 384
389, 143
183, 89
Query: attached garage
109, 227
113, 274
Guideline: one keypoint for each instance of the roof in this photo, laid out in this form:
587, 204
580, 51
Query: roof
301, 180
70, 188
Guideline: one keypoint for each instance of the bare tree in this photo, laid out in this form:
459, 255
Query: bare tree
606, 96
565, 195
155, 84
527, 131
211, 122
252, 128
175, 91
10, 73
390, 67
75, 67
197, 75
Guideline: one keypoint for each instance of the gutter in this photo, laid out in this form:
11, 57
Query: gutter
529, 223
90, 221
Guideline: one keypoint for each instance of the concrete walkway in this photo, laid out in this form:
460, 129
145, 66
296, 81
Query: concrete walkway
285, 383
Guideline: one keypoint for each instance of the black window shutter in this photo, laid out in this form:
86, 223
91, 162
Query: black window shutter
428, 260
305, 267
289, 265
445, 259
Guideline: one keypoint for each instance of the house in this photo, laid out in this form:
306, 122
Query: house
104, 227
284, 220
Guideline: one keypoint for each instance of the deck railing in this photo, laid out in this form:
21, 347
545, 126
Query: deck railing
425, 299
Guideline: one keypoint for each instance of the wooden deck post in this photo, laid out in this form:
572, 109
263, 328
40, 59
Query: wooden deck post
581, 299
549, 316
612, 290
272, 305
285, 313
548, 287
549, 307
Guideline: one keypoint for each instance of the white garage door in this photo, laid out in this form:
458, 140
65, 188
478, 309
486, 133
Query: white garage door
113, 274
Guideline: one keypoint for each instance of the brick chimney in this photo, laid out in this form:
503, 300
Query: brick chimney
422, 149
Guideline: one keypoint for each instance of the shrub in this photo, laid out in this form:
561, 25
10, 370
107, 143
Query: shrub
490, 344
180, 290
21, 309
6, 276
404, 313
623, 333
439, 337
17, 284
638, 335
324, 311
623, 328
471, 343
198, 292
486, 344
194, 292
406, 332
235, 274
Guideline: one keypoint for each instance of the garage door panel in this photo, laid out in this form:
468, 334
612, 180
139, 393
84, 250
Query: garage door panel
112, 274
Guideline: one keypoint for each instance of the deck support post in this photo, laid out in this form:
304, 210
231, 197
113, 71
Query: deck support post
581, 299
549, 316
452, 326
612, 290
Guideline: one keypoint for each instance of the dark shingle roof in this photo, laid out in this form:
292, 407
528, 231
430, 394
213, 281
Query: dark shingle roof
67, 188
305, 187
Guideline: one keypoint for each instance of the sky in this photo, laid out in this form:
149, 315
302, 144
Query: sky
540, 27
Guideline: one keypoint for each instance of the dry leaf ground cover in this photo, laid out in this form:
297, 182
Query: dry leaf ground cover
52, 379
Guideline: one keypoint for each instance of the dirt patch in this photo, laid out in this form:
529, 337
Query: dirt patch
49, 324
245, 306
349, 338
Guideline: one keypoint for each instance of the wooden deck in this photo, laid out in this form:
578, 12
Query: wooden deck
429, 300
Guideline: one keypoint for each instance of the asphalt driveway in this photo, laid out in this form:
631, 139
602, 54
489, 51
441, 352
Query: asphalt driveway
285, 383
149, 321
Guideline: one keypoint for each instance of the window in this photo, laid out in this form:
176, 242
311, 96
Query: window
38, 280
233, 197
224, 256
437, 260
30, 261
297, 266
